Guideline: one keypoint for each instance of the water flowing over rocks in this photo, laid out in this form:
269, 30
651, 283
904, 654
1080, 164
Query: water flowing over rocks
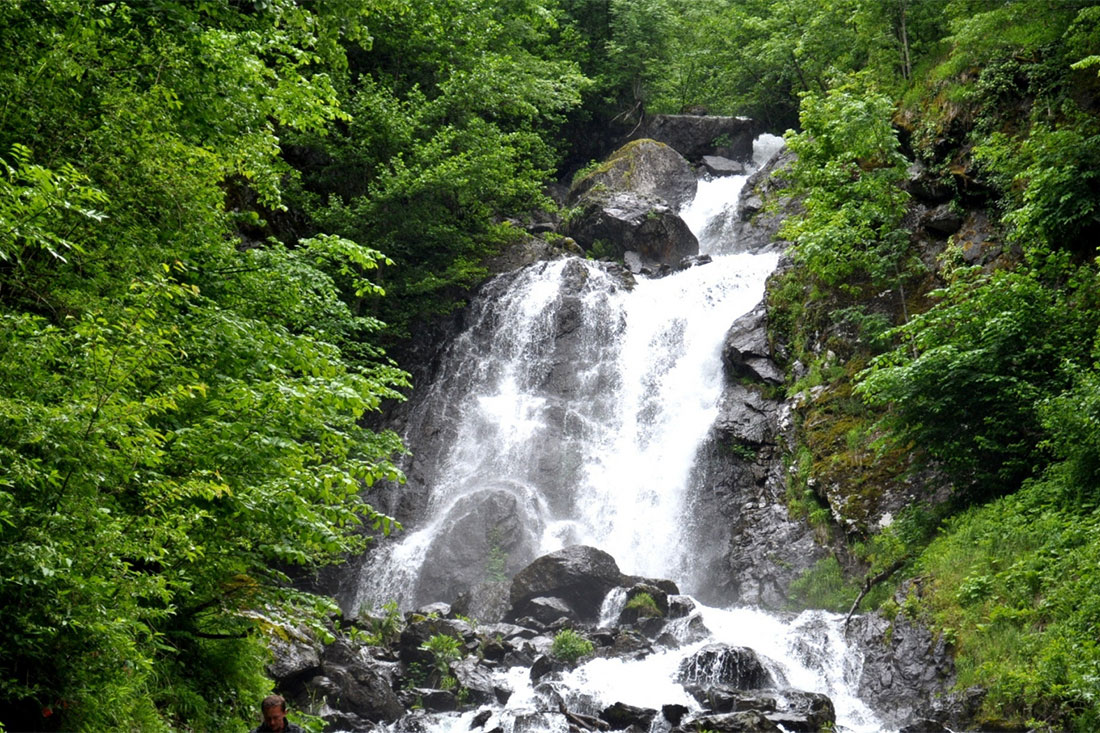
605, 437
395, 678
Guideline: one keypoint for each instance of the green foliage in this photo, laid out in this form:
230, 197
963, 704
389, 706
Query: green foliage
41, 208
1050, 181
445, 651
986, 358
181, 420
825, 585
849, 168
451, 106
386, 628
1015, 582
569, 646
644, 605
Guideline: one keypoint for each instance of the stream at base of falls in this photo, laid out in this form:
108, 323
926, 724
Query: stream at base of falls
576, 408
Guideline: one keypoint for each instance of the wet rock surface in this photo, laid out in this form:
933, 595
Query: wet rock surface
907, 670
763, 206
359, 681
622, 222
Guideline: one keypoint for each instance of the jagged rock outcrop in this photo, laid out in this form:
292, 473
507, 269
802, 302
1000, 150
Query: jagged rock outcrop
746, 352
741, 470
617, 223
762, 208
907, 670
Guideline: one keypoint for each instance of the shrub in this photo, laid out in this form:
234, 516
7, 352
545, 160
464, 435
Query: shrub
644, 605
569, 646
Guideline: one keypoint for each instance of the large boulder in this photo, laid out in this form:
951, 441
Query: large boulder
618, 223
629, 204
644, 167
492, 522
578, 575
723, 664
621, 716
356, 683
694, 136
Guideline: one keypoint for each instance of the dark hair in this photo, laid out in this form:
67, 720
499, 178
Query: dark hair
273, 701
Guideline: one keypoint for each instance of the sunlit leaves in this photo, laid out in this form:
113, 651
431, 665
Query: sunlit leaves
849, 169
42, 208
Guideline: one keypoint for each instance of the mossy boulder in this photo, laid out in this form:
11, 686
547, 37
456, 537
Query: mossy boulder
644, 167
628, 206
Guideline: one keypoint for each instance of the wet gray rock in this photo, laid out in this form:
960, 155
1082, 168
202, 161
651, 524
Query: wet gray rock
631, 222
716, 165
722, 664
729, 699
746, 352
694, 136
629, 204
645, 167
293, 660
432, 700
480, 523
908, 672
804, 712
579, 575
621, 643
621, 716
922, 184
943, 220
530, 250
547, 611
762, 207
354, 682
694, 261
546, 665
476, 679
747, 721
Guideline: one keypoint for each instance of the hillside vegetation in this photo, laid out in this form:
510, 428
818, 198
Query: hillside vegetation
214, 217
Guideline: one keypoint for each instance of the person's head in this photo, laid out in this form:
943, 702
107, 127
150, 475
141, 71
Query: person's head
273, 708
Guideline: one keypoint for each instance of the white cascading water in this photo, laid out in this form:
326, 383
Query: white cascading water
605, 460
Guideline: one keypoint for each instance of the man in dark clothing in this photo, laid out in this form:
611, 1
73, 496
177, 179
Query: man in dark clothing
273, 708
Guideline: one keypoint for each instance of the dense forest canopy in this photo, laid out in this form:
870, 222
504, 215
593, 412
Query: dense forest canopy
215, 215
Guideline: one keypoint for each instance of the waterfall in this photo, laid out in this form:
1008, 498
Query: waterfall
577, 406
570, 410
